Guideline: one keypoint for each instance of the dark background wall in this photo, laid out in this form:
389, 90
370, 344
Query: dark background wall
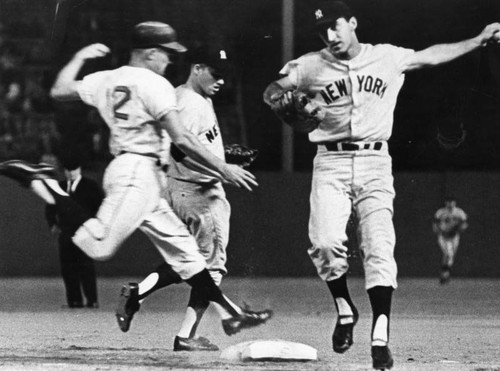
269, 229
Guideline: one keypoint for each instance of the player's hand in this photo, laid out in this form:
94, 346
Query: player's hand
490, 34
282, 101
92, 51
238, 177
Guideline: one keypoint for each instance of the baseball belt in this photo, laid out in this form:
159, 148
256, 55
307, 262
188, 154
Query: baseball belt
150, 155
347, 146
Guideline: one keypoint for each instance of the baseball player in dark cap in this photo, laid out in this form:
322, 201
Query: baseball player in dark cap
356, 85
196, 196
148, 35
138, 105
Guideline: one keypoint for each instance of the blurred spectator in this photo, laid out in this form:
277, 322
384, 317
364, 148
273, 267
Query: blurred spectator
77, 269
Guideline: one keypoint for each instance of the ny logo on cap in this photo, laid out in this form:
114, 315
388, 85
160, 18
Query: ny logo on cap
318, 13
222, 54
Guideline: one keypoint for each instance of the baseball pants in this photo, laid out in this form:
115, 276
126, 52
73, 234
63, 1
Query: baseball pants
132, 184
363, 178
449, 247
204, 208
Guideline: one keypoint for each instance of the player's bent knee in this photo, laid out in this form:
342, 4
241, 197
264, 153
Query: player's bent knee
90, 239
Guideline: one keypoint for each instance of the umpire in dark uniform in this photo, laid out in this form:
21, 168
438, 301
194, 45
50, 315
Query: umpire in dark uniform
77, 269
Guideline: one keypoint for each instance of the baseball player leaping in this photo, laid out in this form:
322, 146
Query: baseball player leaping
356, 86
136, 102
449, 222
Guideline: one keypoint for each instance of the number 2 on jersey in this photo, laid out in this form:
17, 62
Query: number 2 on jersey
121, 94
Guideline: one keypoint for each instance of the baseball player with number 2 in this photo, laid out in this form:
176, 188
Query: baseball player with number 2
138, 104
351, 89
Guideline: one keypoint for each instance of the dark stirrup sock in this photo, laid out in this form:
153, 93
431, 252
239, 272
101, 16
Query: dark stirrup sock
199, 303
445, 268
338, 289
166, 277
206, 286
380, 299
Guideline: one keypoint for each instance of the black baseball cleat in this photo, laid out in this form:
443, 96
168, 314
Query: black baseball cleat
194, 344
444, 277
128, 305
342, 337
24, 173
382, 358
245, 320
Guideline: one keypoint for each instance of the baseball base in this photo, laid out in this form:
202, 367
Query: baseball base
270, 350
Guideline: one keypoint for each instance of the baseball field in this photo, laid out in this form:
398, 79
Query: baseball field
434, 327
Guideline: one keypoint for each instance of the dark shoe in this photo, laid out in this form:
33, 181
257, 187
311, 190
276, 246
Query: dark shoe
75, 304
342, 338
128, 305
382, 358
24, 173
247, 319
92, 305
444, 277
194, 344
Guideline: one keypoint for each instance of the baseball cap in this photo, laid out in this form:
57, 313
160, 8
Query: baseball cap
327, 13
213, 57
152, 34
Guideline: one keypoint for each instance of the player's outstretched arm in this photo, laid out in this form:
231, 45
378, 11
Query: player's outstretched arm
65, 86
444, 53
187, 143
193, 165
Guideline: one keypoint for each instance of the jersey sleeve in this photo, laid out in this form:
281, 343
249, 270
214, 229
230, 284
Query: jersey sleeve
291, 69
463, 215
87, 88
438, 215
399, 55
190, 114
159, 96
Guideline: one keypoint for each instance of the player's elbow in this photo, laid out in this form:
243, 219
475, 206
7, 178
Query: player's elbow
63, 93
56, 92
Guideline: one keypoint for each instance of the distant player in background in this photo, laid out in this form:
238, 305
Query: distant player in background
449, 222
196, 197
356, 86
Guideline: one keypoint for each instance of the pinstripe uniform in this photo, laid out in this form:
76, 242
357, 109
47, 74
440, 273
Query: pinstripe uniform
199, 199
352, 164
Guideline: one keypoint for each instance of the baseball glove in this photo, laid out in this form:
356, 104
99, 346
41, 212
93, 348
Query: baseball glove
295, 109
240, 155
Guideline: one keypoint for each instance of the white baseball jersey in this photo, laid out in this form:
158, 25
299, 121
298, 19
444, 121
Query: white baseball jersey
197, 114
131, 101
449, 219
358, 95
133, 121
